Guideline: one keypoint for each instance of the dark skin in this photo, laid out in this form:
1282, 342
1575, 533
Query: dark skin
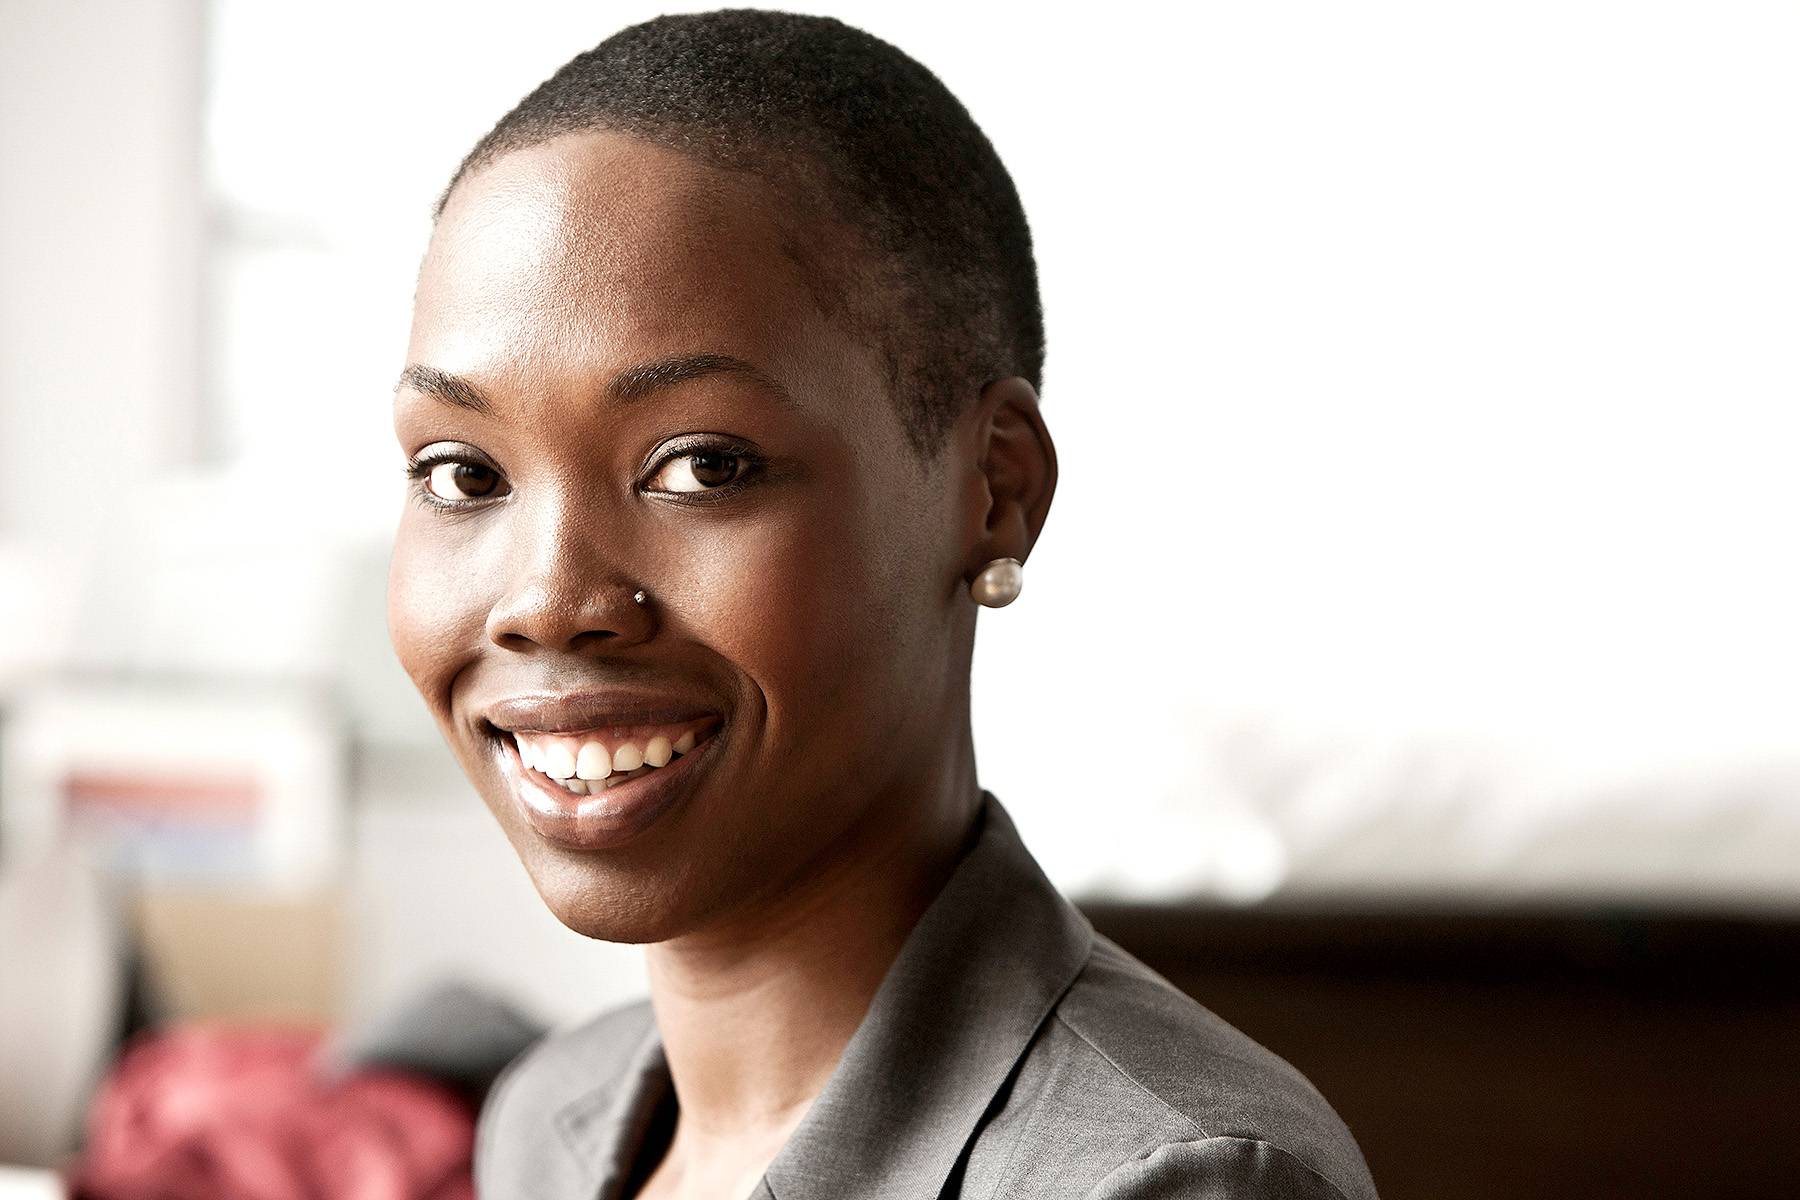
813, 589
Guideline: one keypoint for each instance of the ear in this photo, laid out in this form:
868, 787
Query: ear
1012, 473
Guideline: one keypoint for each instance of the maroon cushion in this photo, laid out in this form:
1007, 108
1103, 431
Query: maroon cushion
203, 1111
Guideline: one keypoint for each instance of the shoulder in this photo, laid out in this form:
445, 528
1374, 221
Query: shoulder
543, 1097
1157, 1095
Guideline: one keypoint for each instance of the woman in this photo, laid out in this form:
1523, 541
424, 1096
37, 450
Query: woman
722, 423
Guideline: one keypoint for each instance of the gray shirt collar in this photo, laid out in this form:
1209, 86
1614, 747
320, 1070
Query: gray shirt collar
976, 977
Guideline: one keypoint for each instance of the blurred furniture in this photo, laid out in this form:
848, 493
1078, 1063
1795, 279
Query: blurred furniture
1489, 1054
178, 779
241, 954
64, 1000
170, 846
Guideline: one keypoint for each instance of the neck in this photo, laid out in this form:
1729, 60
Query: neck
755, 1012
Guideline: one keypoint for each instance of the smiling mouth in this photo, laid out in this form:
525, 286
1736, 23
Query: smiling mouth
593, 761
627, 793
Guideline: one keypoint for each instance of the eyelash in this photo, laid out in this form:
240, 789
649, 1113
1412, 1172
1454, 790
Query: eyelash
418, 468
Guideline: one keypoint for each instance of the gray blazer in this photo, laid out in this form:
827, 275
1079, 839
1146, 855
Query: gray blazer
1011, 1051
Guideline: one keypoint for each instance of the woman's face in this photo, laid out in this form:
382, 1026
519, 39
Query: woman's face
803, 568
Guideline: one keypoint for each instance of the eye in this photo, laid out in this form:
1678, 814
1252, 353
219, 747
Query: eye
700, 470
461, 480
450, 480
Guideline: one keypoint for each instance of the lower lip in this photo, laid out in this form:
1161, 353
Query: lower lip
614, 817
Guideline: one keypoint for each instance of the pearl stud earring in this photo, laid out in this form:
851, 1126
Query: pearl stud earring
999, 583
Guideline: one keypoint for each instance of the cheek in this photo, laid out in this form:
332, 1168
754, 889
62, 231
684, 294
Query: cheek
763, 599
431, 612
807, 611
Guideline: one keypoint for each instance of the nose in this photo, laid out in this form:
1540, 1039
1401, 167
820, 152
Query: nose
562, 601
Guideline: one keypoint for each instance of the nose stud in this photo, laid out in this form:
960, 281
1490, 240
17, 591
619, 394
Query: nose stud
638, 597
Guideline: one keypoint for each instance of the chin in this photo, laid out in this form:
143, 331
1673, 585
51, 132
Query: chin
633, 927
615, 901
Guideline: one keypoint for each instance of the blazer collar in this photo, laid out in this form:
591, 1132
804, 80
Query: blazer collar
605, 1125
980, 971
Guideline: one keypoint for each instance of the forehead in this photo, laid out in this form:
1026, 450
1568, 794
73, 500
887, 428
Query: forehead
598, 249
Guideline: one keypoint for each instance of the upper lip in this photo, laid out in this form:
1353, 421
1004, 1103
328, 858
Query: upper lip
574, 712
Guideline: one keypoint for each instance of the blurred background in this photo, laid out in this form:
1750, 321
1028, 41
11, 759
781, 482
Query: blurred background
1422, 569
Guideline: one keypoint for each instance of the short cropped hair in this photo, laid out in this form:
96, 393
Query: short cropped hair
941, 277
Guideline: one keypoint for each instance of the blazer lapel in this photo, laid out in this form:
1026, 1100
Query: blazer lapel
604, 1126
974, 980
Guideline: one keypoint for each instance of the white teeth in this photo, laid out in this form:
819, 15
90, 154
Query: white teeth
586, 768
559, 761
593, 787
592, 762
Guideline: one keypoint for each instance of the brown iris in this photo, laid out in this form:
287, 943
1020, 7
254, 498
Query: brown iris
712, 468
473, 479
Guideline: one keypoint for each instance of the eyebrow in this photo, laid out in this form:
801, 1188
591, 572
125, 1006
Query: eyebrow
633, 383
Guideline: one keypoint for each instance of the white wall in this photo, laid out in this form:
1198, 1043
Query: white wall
100, 231
100, 223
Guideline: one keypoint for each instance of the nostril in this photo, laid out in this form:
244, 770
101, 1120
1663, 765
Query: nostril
567, 611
